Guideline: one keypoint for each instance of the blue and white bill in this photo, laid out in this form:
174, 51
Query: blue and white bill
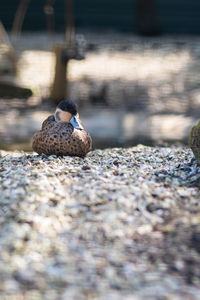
75, 123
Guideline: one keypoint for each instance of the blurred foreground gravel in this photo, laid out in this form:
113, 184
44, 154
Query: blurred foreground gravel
118, 224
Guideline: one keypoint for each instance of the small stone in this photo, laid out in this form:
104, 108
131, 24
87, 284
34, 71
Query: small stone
86, 167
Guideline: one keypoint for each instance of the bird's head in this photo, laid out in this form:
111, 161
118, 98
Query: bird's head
66, 111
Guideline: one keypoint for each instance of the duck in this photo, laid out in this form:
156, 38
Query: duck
194, 141
63, 133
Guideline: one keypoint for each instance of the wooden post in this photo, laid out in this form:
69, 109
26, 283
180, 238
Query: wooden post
147, 17
63, 54
59, 87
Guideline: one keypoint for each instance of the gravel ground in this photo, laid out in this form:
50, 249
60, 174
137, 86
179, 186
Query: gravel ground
118, 224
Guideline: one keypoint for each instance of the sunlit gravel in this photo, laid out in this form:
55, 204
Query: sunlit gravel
118, 224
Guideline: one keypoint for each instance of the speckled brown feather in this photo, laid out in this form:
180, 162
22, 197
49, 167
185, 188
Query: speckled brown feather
61, 138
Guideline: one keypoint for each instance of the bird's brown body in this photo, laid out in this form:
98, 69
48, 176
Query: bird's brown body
61, 138
194, 141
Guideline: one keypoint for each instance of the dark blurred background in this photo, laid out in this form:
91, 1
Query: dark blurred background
131, 65
134, 16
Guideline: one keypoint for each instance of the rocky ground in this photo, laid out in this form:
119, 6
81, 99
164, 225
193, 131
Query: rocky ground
118, 224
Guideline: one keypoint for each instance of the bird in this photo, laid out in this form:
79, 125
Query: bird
194, 141
63, 133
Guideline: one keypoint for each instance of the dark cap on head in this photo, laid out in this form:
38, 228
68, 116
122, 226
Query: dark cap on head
69, 106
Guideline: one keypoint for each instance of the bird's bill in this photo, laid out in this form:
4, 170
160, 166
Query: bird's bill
76, 123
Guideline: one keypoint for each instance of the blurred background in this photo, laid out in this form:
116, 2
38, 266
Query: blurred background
132, 66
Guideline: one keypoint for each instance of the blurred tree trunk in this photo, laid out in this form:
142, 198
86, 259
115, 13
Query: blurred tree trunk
147, 17
59, 87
